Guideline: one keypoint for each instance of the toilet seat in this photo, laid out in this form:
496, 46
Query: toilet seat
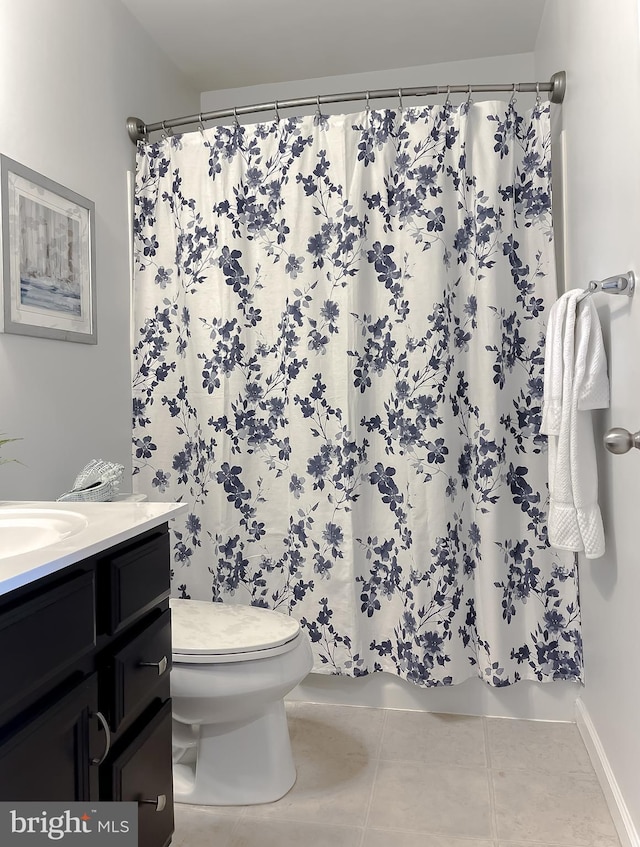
212, 633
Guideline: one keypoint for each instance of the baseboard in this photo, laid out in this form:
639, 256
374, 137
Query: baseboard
528, 700
627, 832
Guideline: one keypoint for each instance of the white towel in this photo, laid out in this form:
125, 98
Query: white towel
575, 382
553, 370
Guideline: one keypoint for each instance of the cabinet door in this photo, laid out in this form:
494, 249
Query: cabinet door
49, 757
42, 638
142, 773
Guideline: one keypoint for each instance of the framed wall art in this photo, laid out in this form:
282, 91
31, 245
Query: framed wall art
48, 257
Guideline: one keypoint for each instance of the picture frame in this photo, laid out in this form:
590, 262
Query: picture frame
48, 257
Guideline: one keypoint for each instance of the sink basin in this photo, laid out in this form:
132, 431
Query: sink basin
31, 528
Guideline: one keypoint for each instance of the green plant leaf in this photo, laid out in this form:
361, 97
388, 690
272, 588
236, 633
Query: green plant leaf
4, 441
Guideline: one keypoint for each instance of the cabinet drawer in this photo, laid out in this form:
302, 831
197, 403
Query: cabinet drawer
134, 673
138, 579
44, 636
142, 773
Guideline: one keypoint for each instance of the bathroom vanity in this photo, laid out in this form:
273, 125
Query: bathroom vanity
85, 639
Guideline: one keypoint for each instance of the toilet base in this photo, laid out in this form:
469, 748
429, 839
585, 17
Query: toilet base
237, 764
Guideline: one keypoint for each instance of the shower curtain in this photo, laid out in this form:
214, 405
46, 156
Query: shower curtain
338, 367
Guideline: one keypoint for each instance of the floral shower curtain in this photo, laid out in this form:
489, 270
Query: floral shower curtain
338, 366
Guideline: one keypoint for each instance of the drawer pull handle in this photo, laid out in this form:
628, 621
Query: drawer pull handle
160, 802
105, 726
161, 665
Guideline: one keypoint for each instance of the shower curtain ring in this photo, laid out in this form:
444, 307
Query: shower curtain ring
166, 133
512, 99
469, 97
200, 124
538, 98
235, 117
400, 99
318, 112
275, 109
447, 102
368, 108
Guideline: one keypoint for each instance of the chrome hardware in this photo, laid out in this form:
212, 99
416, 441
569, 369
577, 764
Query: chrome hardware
160, 802
136, 129
558, 86
105, 726
161, 665
619, 440
618, 284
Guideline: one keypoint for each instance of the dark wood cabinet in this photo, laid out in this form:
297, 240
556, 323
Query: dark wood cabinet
48, 756
141, 772
85, 711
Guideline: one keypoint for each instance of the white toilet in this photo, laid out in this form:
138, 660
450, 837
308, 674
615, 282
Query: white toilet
232, 667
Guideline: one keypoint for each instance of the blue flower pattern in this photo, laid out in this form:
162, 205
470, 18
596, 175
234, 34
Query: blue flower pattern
338, 366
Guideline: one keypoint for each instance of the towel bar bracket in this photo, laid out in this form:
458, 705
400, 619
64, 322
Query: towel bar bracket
618, 284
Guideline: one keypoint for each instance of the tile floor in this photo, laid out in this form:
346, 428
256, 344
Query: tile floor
385, 778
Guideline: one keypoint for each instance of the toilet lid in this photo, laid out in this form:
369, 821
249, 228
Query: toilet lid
199, 628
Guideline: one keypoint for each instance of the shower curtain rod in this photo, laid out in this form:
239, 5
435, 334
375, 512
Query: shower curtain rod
556, 87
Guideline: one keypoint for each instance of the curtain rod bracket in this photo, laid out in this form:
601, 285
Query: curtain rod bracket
558, 86
137, 129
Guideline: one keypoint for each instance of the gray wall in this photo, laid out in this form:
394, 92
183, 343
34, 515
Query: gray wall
513, 68
600, 122
71, 72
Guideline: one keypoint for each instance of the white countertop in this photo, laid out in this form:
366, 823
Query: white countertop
107, 524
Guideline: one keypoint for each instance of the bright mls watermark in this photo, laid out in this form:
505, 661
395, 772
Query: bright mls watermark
99, 824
